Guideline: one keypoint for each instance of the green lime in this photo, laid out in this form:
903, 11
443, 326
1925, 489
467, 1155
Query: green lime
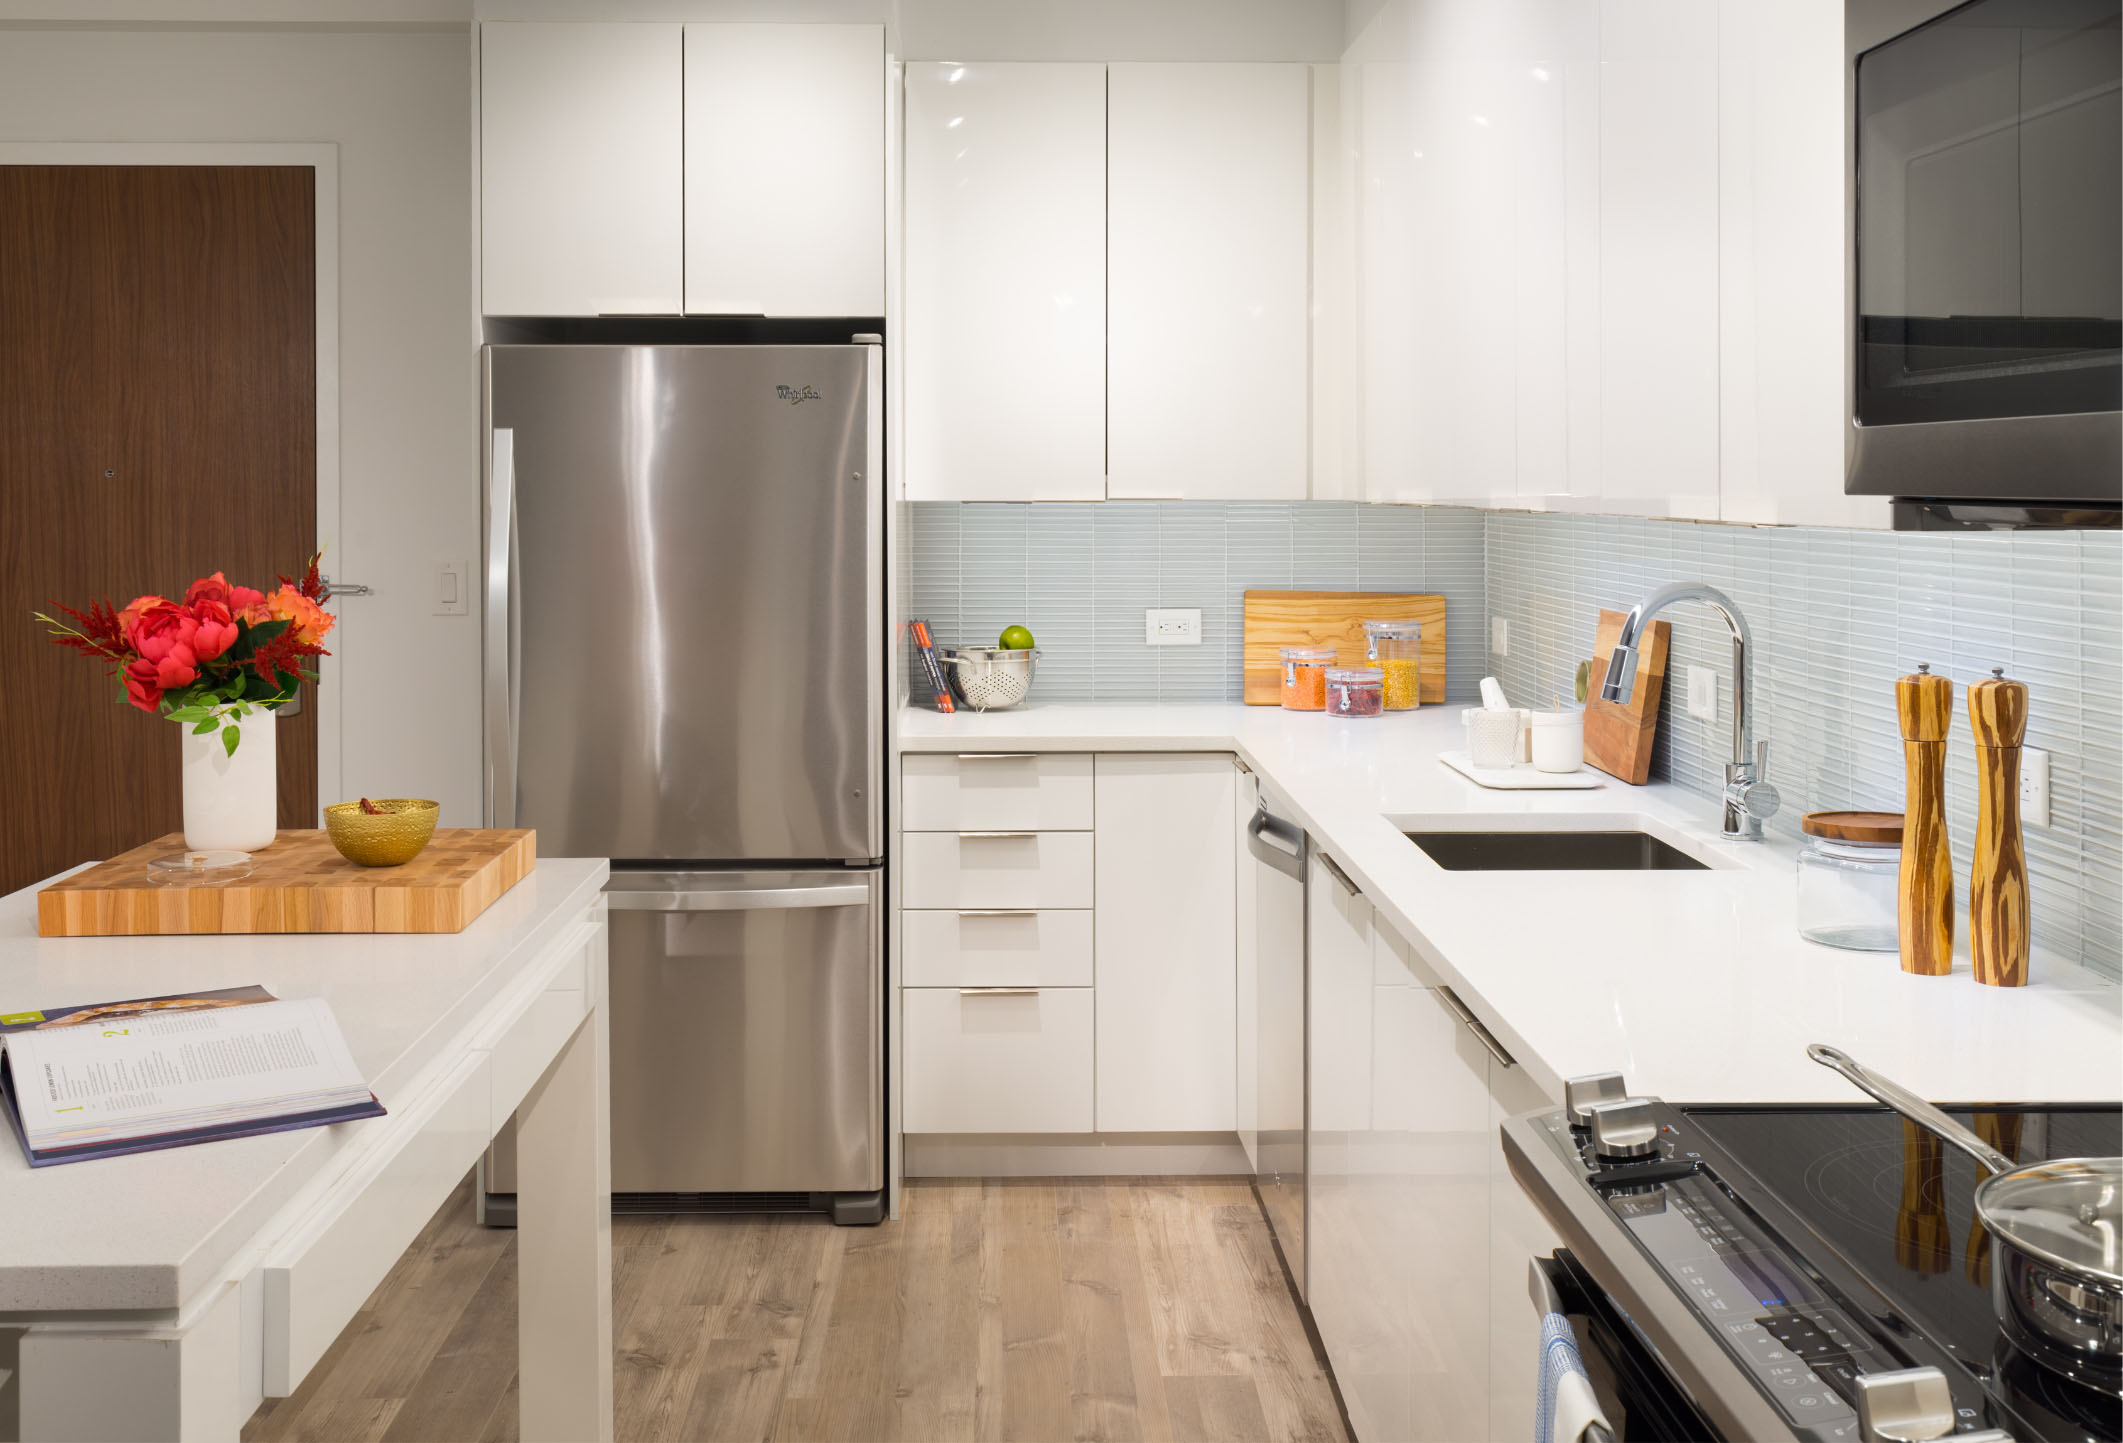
1015, 638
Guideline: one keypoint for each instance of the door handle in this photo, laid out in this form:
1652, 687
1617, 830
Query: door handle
1474, 1024
1338, 874
992, 836
343, 588
740, 899
996, 756
998, 992
997, 912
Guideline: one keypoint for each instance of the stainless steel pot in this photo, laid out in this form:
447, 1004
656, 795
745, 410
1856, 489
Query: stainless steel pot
2058, 1283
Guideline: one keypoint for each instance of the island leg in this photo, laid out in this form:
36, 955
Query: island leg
564, 1243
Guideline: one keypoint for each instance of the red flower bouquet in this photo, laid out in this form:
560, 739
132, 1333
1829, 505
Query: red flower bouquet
210, 658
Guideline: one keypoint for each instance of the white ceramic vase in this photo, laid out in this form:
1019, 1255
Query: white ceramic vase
231, 802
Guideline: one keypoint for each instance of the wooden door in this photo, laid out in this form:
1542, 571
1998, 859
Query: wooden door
158, 405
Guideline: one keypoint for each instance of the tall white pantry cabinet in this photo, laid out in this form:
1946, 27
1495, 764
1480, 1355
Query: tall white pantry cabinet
635, 168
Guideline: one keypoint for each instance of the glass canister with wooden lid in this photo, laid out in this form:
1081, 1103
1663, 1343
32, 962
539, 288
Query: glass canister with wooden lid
1849, 879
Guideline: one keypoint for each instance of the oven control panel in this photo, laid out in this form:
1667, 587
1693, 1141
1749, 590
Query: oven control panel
1770, 1311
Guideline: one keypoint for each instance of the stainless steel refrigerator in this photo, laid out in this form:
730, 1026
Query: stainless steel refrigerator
685, 636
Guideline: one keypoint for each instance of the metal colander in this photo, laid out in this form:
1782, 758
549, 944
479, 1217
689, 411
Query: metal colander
988, 678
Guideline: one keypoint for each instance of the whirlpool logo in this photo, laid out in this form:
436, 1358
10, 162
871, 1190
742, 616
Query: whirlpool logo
797, 395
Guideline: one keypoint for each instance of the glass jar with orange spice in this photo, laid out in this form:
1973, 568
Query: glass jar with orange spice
1396, 648
1305, 677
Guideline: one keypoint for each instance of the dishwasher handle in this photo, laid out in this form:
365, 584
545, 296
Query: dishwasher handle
1286, 851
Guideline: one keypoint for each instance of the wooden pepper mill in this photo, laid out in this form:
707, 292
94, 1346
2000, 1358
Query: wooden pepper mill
1998, 930
1924, 909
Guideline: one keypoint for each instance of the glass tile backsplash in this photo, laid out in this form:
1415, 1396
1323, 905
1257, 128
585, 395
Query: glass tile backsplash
1081, 577
1836, 615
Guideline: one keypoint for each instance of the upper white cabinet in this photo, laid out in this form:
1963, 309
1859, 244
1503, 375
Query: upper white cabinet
649, 169
785, 170
1208, 227
581, 169
1166, 858
1005, 328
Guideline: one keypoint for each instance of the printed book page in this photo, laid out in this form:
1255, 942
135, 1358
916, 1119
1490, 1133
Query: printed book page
156, 1072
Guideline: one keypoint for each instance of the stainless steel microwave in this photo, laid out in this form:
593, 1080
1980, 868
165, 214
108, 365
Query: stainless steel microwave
1986, 260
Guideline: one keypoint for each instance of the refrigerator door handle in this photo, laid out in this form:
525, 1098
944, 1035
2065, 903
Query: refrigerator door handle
750, 899
500, 628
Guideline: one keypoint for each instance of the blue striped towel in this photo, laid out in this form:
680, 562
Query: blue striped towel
1565, 1406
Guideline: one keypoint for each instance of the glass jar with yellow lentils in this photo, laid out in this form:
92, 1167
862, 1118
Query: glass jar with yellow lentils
1396, 648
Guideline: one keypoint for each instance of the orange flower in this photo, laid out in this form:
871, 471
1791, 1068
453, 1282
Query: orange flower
309, 621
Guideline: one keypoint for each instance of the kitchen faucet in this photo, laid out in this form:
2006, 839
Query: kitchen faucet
1749, 799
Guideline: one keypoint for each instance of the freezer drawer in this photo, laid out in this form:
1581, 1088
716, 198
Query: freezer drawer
747, 1032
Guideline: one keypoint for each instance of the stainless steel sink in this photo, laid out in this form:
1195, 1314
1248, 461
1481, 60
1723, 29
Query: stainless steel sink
1553, 852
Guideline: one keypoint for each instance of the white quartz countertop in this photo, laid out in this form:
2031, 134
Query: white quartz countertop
1696, 985
142, 1231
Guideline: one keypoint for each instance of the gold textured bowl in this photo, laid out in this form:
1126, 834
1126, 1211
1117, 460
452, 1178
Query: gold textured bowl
388, 840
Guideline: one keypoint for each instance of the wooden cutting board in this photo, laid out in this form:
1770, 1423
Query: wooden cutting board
1276, 619
299, 884
1618, 738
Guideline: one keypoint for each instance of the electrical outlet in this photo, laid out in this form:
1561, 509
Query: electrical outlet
1173, 626
1499, 636
2034, 787
452, 583
1703, 693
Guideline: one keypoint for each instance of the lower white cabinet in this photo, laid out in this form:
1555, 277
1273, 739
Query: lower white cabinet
1165, 919
1416, 1237
1016, 1060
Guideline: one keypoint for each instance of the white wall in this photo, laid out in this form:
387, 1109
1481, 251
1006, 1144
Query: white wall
398, 106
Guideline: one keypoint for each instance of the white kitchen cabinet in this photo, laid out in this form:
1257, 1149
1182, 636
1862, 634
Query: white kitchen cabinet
1208, 226
995, 870
1517, 1234
785, 170
1166, 989
1398, 1237
1782, 356
996, 948
1005, 260
996, 791
1016, 1061
582, 180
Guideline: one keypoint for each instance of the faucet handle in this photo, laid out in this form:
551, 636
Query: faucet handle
1761, 760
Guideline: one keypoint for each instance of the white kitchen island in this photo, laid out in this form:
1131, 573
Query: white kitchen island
163, 1295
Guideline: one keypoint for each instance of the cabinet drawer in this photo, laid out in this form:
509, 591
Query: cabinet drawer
1011, 948
995, 791
1010, 1062
950, 870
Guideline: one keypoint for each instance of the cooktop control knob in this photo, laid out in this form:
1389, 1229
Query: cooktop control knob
1624, 1130
1580, 1093
1907, 1406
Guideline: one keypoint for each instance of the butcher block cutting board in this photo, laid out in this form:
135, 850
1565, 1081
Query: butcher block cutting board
1618, 738
299, 884
1276, 619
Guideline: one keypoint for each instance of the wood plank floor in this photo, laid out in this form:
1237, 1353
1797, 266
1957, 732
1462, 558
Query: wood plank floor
1096, 1309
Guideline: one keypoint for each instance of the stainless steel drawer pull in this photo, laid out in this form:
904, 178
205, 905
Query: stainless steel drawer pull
996, 756
991, 836
1475, 1025
1338, 874
998, 992
746, 899
997, 912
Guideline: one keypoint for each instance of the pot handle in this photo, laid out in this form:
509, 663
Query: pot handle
1911, 1106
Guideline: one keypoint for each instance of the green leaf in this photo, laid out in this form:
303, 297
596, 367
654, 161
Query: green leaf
229, 737
204, 727
190, 713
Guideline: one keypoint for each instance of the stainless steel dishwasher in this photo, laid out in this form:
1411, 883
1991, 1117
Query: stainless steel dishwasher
1278, 848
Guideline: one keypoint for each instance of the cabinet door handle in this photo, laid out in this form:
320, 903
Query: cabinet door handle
998, 992
992, 836
998, 912
1475, 1025
996, 756
1337, 873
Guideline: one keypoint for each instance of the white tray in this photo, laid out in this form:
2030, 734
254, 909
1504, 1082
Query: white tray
1525, 777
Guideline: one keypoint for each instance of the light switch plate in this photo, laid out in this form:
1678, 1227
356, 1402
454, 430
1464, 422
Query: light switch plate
1173, 626
2034, 787
1499, 636
1703, 693
453, 580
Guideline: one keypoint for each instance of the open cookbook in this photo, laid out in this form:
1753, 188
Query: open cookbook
119, 1077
